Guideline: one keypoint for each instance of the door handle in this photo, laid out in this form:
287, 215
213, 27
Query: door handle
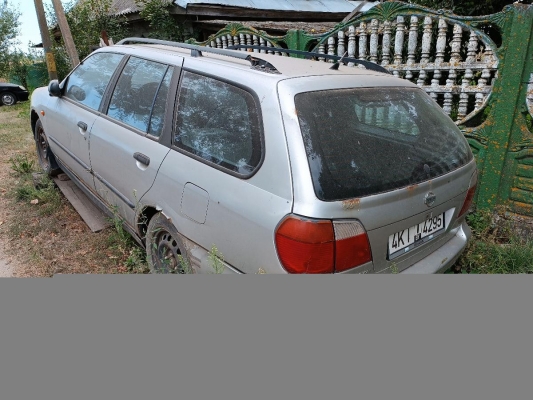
82, 125
142, 158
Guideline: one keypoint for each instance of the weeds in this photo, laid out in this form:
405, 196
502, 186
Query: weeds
184, 265
394, 268
136, 261
121, 235
122, 241
46, 195
495, 248
25, 113
217, 260
21, 164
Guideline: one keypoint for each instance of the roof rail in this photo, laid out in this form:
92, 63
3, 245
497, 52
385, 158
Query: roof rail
196, 51
367, 64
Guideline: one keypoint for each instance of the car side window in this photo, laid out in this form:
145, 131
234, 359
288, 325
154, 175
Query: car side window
219, 123
134, 96
88, 82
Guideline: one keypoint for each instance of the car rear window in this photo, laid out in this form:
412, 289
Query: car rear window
366, 141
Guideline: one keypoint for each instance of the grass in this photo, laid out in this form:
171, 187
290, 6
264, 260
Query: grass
495, 247
45, 234
122, 242
216, 260
21, 164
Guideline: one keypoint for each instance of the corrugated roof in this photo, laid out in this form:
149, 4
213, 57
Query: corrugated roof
128, 6
281, 26
285, 5
335, 6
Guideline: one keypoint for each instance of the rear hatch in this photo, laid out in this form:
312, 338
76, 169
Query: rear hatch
388, 157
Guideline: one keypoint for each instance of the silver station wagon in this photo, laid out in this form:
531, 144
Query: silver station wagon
286, 165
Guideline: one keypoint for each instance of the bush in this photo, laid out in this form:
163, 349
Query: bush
86, 20
163, 25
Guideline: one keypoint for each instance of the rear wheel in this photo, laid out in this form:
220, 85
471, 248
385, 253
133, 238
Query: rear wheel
46, 157
165, 251
8, 99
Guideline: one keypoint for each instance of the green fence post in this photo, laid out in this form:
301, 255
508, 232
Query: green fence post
508, 95
298, 40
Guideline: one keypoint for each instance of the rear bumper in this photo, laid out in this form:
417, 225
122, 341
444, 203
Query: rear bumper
444, 257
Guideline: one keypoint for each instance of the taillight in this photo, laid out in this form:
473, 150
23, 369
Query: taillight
351, 245
308, 246
468, 200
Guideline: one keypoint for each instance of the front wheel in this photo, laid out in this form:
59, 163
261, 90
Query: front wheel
8, 99
164, 249
46, 157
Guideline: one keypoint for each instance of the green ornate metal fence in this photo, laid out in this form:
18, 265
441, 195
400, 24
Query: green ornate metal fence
479, 69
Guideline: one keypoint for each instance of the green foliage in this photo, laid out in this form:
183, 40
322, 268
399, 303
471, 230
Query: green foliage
122, 237
163, 25
21, 164
123, 243
17, 70
46, 196
136, 261
18, 66
87, 19
9, 29
481, 223
495, 248
394, 268
184, 265
216, 259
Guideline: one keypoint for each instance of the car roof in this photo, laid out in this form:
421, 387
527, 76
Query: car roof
287, 67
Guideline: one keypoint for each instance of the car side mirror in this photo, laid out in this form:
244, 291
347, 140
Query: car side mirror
53, 88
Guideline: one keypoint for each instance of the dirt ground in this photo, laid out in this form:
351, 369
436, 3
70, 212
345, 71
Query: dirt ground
8, 264
49, 237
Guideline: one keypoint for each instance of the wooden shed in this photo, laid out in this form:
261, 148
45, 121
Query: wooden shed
274, 16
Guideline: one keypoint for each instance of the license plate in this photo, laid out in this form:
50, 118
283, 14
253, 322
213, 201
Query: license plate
408, 239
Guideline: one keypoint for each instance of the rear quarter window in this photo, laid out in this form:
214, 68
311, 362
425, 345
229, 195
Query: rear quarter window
219, 123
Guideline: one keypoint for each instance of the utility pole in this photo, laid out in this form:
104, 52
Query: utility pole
45, 37
65, 31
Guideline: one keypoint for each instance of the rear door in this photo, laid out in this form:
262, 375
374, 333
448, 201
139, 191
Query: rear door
127, 143
226, 182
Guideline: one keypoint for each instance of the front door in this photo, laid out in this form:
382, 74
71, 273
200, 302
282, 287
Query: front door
69, 120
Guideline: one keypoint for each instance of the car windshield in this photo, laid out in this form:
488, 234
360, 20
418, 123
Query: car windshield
367, 141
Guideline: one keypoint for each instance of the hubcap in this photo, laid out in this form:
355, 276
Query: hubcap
166, 255
8, 99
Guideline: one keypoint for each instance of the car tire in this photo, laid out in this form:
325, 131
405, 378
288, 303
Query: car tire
46, 158
164, 249
8, 99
